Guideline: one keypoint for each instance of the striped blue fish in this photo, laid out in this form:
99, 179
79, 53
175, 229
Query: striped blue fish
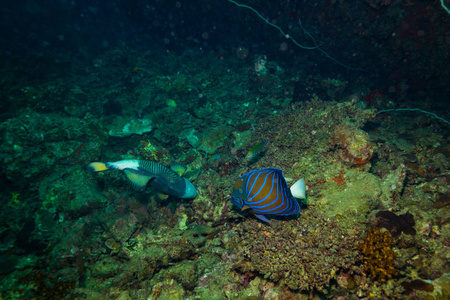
265, 192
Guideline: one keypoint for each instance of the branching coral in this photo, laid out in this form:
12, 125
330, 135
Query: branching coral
378, 254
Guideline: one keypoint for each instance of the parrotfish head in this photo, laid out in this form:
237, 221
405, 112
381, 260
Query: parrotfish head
190, 191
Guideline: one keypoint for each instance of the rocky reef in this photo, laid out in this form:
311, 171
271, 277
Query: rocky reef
374, 224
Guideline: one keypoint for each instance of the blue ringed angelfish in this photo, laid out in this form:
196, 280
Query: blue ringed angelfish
265, 192
141, 172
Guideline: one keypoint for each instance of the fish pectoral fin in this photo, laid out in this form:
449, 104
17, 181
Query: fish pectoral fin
138, 181
245, 208
262, 218
162, 196
178, 168
173, 206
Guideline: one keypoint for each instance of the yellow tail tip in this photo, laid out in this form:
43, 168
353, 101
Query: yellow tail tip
97, 167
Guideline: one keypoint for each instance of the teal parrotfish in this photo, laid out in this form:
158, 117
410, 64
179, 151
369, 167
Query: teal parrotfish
265, 192
140, 172
255, 150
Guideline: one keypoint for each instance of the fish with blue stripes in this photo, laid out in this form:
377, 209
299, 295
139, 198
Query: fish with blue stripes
140, 172
265, 192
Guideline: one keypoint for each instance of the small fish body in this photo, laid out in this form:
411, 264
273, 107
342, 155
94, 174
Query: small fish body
255, 150
140, 108
265, 192
140, 172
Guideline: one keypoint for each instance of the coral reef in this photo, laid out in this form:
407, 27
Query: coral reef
123, 127
47, 287
35, 144
214, 138
297, 254
149, 150
353, 144
417, 284
379, 257
396, 224
68, 234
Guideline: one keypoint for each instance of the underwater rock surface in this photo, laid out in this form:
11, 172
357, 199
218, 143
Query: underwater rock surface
366, 126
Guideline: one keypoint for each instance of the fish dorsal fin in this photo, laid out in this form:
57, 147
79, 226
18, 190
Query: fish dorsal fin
155, 169
137, 180
178, 168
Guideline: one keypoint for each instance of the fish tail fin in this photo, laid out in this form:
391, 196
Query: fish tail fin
298, 189
96, 167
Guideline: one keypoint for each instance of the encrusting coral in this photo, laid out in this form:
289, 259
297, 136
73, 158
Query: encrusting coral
297, 253
353, 144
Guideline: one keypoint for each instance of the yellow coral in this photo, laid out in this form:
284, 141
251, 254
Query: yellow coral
14, 200
378, 254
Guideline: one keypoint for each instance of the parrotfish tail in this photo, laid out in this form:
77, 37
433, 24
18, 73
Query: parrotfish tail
96, 167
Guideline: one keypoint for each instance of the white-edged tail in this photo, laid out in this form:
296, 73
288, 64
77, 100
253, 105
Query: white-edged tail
298, 189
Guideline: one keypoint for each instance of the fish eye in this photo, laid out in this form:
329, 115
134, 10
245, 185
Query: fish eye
240, 190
